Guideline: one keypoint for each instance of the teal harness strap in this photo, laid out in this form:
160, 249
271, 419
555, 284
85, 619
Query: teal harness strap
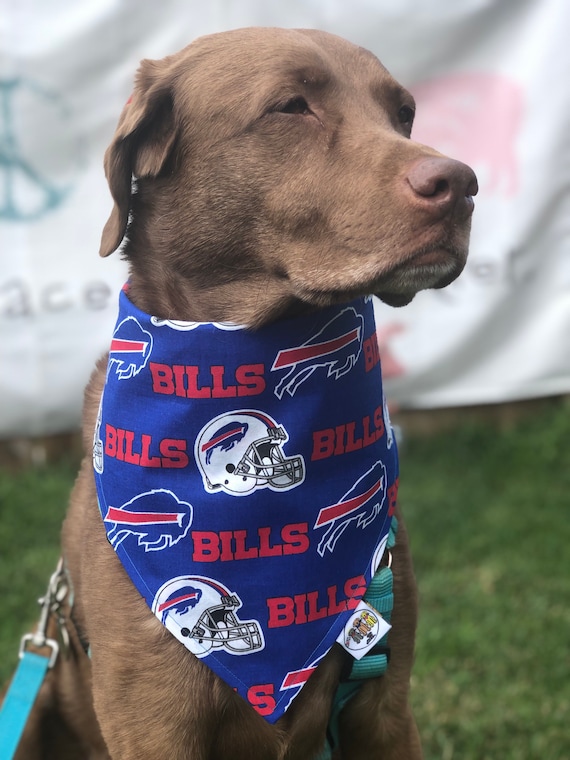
379, 595
19, 700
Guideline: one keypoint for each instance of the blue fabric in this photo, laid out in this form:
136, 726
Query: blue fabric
246, 480
19, 700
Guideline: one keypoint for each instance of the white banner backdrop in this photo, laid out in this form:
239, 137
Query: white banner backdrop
490, 78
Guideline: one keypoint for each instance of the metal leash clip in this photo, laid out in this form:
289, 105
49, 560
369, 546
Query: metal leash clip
51, 604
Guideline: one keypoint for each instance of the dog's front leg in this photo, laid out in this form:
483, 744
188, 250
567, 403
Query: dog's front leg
143, 680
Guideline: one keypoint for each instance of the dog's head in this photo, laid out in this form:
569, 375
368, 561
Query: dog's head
274, 171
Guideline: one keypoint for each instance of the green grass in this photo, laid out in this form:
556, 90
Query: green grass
32, 507
490, 529
488, 514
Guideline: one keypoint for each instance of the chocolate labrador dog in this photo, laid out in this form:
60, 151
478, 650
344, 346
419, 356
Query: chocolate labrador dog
258, 176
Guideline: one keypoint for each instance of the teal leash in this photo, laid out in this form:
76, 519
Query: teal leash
374, 664
32, 667
19, 701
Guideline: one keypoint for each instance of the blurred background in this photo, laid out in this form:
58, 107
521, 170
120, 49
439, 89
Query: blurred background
479, 372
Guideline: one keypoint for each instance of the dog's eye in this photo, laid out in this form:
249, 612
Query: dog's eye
295, 106
406, 116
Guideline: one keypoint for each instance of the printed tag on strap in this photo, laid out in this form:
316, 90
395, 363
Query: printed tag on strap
364, 629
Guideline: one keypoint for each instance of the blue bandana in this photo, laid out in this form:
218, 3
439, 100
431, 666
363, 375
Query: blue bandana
246, 480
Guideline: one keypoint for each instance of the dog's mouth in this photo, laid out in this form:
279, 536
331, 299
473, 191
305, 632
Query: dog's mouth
432, 266
396, 299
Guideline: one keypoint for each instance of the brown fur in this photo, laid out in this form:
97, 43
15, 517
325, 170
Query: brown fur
275, 175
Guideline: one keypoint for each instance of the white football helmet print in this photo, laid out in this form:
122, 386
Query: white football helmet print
241, 451
201, 613
98, 462
181, 326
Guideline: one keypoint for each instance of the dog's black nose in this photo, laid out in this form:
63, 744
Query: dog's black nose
443, 183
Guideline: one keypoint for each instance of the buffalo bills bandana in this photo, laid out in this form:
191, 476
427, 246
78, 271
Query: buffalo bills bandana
246, 480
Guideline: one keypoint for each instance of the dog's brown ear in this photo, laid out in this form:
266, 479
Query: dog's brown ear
142, 142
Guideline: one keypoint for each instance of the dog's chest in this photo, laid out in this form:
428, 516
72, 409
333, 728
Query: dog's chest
247, 481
